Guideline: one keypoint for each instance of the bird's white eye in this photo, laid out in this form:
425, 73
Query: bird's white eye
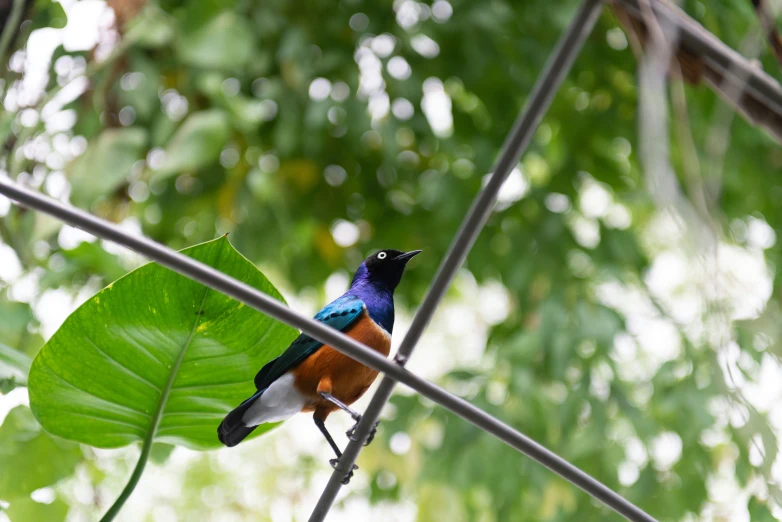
381, 255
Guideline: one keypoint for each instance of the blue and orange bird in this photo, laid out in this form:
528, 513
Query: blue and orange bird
312, 377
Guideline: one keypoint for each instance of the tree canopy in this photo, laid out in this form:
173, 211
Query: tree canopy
637, 338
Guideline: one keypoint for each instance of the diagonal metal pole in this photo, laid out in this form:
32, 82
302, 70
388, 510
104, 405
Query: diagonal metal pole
229, 286
556, 69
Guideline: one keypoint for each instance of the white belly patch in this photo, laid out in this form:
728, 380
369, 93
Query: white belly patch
280, 401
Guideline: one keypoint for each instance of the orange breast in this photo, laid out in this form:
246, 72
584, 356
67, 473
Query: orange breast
328, 370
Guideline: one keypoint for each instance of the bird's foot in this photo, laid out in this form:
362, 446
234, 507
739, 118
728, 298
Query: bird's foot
352, 431
346, 480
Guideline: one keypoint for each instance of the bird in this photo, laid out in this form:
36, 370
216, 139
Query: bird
312, 377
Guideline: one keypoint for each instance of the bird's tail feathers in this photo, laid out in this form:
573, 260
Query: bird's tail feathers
233, 429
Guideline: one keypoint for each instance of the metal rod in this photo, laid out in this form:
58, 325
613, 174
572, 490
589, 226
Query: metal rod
518, 139
220, 282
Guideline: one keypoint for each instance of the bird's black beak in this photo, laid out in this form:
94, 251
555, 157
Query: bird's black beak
407, 256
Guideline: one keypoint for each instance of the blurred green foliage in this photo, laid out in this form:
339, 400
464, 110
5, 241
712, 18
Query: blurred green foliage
33, 460
208, 119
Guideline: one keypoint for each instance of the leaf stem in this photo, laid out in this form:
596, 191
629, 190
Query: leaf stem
146, 447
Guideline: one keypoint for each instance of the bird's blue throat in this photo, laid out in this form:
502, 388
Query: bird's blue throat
377, 294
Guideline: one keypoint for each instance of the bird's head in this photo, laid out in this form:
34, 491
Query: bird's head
385, 266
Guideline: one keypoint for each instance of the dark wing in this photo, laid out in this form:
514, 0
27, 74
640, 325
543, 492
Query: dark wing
340, 314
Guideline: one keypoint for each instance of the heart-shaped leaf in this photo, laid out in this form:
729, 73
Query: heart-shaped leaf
156, 356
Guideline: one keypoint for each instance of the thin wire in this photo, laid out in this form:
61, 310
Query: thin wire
260, 301
518, 139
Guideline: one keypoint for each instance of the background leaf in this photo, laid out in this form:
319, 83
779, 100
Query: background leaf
49, 14
14, 366
160, 452
30, 457
26, 509
15, 359
106, 164
196, 143
14, 330
224, 41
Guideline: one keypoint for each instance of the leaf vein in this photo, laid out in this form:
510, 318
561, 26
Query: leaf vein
186, 426
105, 419
141, 347
259, 342
122, 368
212, 385
112, 404
195, 414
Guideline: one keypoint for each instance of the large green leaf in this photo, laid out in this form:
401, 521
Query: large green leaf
36, 458
156, 356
